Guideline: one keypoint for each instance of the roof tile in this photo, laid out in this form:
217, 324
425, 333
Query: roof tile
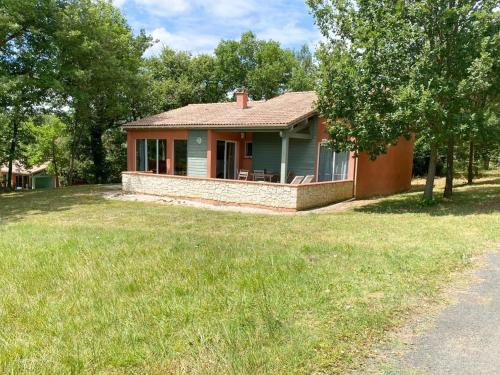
279, 112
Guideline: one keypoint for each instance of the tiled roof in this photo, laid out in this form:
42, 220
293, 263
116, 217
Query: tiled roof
279, 112
20, 169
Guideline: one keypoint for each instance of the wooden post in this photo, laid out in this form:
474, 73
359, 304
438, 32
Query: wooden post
284, 156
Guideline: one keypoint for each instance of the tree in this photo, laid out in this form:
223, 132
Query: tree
176, 79
27, 64
392, 68
50, 144
100, 61
304, 72
263, 67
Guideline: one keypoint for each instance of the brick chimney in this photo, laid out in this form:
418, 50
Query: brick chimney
241, 98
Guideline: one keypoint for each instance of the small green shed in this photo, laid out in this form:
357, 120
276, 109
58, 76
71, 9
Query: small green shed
42, 181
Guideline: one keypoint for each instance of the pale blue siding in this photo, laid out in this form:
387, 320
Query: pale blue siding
302, 153
267, 151
197, 153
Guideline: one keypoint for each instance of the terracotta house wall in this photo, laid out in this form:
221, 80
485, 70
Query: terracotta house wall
389, 174
169, 135
214, 136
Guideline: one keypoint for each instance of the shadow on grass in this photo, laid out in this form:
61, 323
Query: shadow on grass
480, 198
17, 205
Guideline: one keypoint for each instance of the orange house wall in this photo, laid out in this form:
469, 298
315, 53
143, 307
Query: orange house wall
214, 136
388, 174
169, 135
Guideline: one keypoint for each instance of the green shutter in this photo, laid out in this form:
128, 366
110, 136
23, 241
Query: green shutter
42, 182
302, 153
197, 153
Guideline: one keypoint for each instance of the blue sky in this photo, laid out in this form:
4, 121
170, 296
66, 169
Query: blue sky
198, 25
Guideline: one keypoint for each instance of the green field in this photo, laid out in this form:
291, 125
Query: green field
90, 285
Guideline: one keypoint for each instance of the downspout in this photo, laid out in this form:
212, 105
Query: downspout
355, 178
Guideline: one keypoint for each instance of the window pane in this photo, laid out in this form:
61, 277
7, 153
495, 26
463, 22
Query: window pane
152, 155
230, 160
221, 151
249, 149
140, 156
180, 157
340, 167
162, 156
325, 164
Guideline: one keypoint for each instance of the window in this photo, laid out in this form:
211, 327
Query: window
180, 157
140, 155
248, 150
151, 155
332, 166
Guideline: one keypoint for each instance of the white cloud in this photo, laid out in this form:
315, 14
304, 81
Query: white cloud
182, 40
119, 3
164, 8
291, 34
199, 25
229, 8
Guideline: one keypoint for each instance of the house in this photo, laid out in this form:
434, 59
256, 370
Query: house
198, 151
23, 177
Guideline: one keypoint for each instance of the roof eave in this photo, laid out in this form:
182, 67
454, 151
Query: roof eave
277, 126
209, 126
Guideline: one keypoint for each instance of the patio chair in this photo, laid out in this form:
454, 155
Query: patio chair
297, 180
243, 175
308, 179
259, 175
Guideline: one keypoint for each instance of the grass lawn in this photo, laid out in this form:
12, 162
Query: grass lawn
89, 285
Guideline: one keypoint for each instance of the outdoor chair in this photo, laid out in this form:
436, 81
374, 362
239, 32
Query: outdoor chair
243, 175
259, 175
308, 179
297, 180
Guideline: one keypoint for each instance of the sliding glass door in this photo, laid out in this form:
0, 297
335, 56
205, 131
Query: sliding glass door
226, 159
332, 165
180, 157
151, 155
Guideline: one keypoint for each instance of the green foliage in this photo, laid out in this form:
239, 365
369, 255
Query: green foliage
79, 60
304, 73
115, 144
27, 66
421, 158
100, 63
392, 68
176, 79
50, 143
263, 67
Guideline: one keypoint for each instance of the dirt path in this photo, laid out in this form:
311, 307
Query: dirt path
465, 338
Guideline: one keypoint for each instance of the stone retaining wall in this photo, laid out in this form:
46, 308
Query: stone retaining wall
259, 194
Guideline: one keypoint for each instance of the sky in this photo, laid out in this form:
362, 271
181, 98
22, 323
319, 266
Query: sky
199, 25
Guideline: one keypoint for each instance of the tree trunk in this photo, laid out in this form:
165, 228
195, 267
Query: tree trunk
470, 168
448, 189
431, 173
54, 163
486, 159
12, 153
97, 151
